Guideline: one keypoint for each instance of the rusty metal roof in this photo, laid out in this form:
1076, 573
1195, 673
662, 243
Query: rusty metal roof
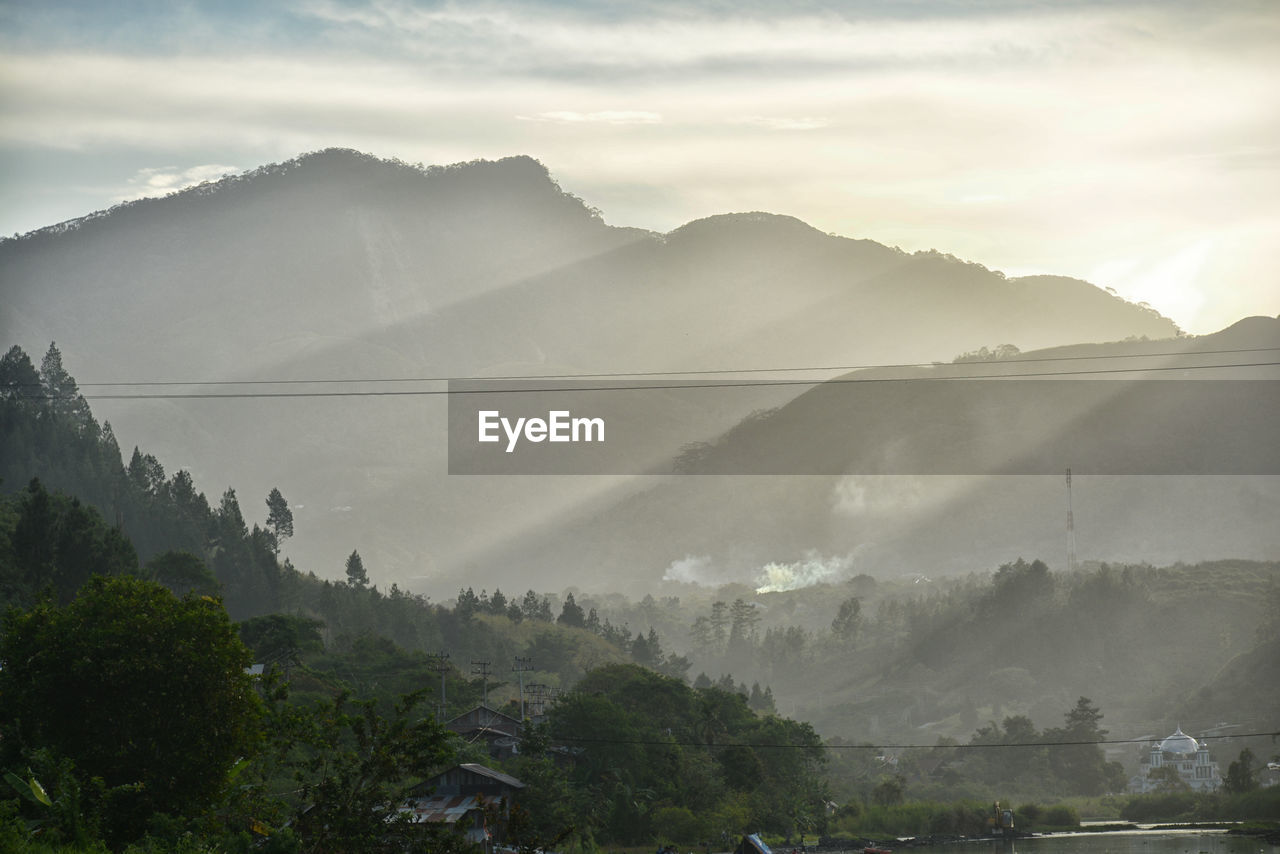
444, 809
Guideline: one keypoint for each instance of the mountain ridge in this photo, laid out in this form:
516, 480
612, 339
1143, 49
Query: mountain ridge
341, 266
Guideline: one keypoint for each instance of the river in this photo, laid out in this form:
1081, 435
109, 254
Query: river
1117, 842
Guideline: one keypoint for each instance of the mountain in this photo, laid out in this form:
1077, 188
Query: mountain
338, 266
1145, 496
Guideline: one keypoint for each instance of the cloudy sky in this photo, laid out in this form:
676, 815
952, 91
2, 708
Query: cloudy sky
1136, 145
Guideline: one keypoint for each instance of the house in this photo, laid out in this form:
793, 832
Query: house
500, 732
460, 796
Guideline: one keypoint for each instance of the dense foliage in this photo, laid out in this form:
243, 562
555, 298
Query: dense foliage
145, 695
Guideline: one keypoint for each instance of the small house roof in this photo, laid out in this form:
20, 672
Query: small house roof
505, 779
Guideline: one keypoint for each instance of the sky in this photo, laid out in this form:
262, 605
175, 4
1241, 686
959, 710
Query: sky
1135, 145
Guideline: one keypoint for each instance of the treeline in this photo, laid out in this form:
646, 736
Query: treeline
130, 723
160, 741
75, 508
892, 660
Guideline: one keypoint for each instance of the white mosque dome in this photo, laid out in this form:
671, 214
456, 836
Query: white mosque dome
1179, 743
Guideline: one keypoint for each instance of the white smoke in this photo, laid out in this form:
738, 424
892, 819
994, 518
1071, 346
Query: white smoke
888, 497
813, 569
691, 570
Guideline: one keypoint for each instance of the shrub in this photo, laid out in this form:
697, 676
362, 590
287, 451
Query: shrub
679, 825
1061, 815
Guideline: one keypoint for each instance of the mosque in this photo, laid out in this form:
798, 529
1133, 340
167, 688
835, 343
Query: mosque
1190, 758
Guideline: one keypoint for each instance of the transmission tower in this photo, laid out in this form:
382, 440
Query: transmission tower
1071, 529
537, 698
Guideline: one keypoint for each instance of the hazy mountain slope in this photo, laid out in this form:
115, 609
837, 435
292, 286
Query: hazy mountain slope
933, 524
341, 266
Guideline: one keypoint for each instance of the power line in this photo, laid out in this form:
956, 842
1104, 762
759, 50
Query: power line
642, 387
716, 371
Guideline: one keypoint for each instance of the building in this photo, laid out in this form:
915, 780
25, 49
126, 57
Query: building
469, 797
500, 732
1188, 757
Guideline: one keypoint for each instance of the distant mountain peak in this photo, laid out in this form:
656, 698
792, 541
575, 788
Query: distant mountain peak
748, 221
349, 176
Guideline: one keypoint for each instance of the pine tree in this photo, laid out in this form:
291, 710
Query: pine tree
571, 613
279, 519
356, 575
60, 387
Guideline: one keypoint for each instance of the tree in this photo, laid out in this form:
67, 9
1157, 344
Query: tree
534, 607
18, 377
1082, 765
571, 614
146, 473
61, 542
230, 521
1240, 776
360, 769
356, 575
279, 518
846, 623
281, 637
744, 620
182, 572
1018, 584
889, 791
640, 651
145, 693
468, 604
719, 620
1166, 778
60, 388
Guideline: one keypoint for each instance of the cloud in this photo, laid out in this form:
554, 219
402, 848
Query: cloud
607, 117
785, 123
162, 180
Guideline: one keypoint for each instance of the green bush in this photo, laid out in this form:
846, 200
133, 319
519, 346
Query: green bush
678, 825
1060, 815
1161, 806
967, 818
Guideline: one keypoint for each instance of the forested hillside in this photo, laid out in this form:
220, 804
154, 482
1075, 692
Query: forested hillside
323, 752
867, 658
673, 718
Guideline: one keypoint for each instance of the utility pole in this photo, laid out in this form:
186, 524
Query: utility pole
440, 664
520, 666
1071, 529
481, 669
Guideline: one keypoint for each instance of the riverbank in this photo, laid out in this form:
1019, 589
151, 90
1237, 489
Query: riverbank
1265, 832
